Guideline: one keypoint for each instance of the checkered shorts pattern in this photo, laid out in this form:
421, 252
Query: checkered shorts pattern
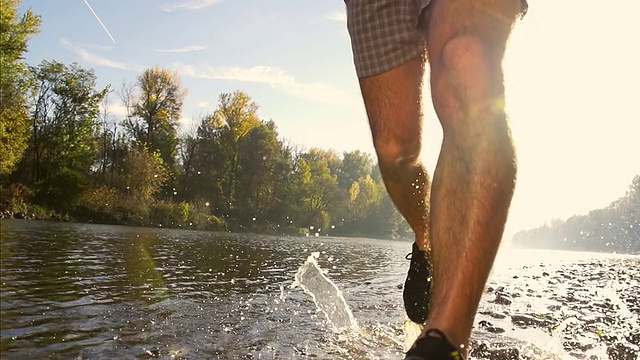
386, 33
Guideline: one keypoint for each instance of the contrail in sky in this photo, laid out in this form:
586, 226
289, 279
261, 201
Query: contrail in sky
100, 21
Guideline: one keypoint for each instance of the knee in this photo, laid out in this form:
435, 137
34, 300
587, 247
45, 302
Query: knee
464, 70
467, 83
397, 152
463, 53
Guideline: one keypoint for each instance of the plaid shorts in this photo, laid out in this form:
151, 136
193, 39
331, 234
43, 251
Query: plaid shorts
387, 33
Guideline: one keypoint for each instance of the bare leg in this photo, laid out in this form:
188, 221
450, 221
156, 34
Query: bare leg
394, 106
474, 179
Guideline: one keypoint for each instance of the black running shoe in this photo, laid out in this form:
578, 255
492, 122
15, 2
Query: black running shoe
417, 287
433, 346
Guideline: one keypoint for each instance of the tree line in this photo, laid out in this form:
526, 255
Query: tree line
65, 155
615, 228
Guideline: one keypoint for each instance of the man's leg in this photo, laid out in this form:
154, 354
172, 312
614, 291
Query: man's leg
388, 44
393, 101
474, 179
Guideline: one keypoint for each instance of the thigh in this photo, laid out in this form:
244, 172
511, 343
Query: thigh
489, 20
393, 101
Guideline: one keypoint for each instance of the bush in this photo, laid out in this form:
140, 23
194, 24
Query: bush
100, 204
215, 223
41, 213
63, 190
14, 198
165, 213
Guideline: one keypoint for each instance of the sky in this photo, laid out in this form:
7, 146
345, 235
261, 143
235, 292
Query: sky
571, 75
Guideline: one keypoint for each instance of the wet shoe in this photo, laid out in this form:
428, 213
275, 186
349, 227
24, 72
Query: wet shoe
433, 346
417, 287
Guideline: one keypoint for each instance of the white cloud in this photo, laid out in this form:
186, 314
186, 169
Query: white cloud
338, 16
189, 5
114, 109
97, 59
202, 104
184, 49
278, 78
186, 122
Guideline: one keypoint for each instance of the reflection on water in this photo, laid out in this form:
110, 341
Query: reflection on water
111, 292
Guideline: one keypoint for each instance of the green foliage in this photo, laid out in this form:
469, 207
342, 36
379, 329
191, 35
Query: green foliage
100, 203
65, 126
63, 190
165, 213
234, 118
15, 31
354, 166
143, 174
259, 165
319, 196
232, 173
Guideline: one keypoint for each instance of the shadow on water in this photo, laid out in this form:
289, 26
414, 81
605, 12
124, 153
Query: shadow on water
112, 292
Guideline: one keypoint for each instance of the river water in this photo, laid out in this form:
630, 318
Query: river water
79, 291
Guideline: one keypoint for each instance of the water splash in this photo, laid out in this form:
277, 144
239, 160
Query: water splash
325, 294
411, 332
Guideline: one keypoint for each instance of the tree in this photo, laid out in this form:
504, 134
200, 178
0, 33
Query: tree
235, 116
320, 195
355, 165
615, 228
188, 145
15, 31
155, 112
108, 143
259, 160
364, 196
64, 142
208, 165
143, 175
65, 124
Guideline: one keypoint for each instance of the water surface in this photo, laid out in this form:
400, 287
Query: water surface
111, 292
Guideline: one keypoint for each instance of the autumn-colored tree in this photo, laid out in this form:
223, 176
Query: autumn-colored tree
235, 116
15, 32
154, 112
143, 174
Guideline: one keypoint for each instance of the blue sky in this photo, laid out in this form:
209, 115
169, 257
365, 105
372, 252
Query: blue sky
571, 74
293, 60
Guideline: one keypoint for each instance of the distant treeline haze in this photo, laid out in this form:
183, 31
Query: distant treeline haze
615, 228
